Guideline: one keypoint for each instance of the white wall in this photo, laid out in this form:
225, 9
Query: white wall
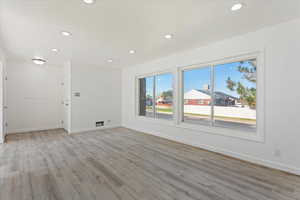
281, 45
100, 97
33, 97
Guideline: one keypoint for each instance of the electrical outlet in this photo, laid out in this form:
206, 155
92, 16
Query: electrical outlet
76, 94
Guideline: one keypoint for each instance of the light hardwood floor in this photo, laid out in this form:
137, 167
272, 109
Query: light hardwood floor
124, 164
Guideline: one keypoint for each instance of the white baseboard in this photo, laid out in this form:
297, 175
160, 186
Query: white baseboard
23, 130
259, 161
94, 129
73, 131
262, 162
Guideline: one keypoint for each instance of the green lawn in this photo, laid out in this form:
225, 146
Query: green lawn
229, 119
164, 110
222, 117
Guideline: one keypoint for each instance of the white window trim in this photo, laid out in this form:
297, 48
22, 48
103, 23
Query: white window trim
178, 95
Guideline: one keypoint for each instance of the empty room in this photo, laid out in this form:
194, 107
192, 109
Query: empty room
149, 100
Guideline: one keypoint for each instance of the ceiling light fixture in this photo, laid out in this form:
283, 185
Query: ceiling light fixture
168, 36
132, 51
89, 1
54, 50
38, 61
110, 60
236, 6
66, 33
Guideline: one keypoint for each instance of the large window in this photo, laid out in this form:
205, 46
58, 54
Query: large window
221, 95
156, 96
197, 98
235, 94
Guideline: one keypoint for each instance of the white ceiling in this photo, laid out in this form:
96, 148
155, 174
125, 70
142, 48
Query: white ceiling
110, 28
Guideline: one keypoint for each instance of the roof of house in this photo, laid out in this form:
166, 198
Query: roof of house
196, 94
204, 94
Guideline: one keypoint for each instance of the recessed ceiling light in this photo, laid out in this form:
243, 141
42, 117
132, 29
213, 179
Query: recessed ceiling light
89, 1
66, 33
168, 36
110, 60
54, 50
236, 6
38, 61
132, 51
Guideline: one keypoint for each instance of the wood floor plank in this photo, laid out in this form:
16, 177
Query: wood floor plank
123, 164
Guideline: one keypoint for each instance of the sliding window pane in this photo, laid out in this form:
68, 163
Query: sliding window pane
146, 103
197, 96
235, 95
164, 96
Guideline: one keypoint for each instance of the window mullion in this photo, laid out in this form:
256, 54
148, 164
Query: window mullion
212, 91
176, 97
154, 96
181, 87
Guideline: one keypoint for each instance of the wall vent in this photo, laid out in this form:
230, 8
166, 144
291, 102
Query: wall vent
100, 123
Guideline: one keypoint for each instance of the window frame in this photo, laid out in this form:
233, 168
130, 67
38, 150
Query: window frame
257, 135
178, 99
181, 92
137, 106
